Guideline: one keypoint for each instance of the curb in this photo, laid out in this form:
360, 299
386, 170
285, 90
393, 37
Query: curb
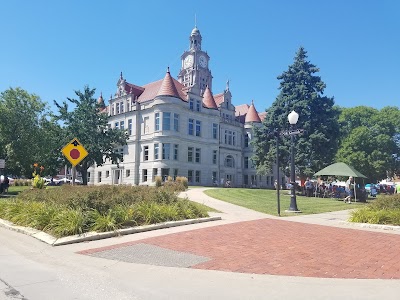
91, 236
372, 226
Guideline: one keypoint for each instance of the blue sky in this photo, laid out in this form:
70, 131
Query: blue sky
52, 48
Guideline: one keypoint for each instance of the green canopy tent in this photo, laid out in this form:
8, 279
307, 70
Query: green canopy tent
340, 169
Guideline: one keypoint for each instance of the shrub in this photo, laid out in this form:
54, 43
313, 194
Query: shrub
158, 180
183, 181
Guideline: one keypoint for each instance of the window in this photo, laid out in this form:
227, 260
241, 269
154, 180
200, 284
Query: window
112, 110
191, 127
229, 162
156, 147
122, 107
214, 177
246, 162
166, 121
116, 125
107, 174
122, 125
198, 105
190, 175
191, 104
234, 138
190, 154
146, 125
176, 122
175, 173
128, 173
246, 140
155, 172
198, 128
214, 157
157, 122
117, 106
145, 153
98, 176
197, 179
246, 179
166, 150
198, 155
215, 131
144, 175
176, 151
130, 126
228, 137
88, 176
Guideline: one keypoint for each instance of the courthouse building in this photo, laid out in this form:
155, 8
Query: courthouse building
178, 127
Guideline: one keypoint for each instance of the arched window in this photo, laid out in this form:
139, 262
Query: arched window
229, 161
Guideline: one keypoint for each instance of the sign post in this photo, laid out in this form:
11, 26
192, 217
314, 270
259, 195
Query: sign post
75, 153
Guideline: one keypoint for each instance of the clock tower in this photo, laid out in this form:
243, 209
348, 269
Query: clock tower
194, 70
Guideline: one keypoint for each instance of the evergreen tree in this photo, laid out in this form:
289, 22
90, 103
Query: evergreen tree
89, 125
301, 91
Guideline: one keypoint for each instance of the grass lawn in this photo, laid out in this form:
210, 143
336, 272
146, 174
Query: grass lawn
265, 201
15, 190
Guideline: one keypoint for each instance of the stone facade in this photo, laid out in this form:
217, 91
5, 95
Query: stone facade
179, 128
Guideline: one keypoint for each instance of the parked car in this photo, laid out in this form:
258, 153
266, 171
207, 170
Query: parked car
371, 189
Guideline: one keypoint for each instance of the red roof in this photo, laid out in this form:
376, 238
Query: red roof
168, 87
252, 114
219, 98
208, 99
262, 115
241, 110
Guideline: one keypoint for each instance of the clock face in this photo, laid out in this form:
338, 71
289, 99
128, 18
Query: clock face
203, 61
188, 62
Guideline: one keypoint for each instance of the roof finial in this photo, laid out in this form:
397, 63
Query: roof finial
168, 69
195, 21
252, 102
121, 76
227, 85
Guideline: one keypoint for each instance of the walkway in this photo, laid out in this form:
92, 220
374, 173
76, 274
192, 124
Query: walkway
246, 241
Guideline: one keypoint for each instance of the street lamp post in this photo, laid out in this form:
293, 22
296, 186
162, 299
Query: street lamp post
293, 118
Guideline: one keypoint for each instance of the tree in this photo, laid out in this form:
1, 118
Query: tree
302, 91
24, 138
90, 126
370, 140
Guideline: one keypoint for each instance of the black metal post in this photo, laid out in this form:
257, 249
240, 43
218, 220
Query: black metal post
277, 173
293, 203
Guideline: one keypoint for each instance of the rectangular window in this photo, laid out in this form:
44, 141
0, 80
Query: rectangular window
130, 126
190, 175
122, 125
198, 128
156, 147
117, 106
191, 104
107, 174
176, 151
122, 107
98, 176
166, 121
197, 179
214, 178
246, 162
88, 176
144, 175
157, 122
191, 127
145, 153
176, 122
190, 154
198, 105
246, 140
214, 157
166, 150
128, 173
215, 131
116, 125
155, 172
198, 155
246, 179
234, 138
146, 128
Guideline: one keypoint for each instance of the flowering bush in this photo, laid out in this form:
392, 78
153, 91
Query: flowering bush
38, 181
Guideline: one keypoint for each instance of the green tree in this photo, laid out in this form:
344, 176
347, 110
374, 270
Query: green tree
370, 140
89, 124
24, 138
301, 91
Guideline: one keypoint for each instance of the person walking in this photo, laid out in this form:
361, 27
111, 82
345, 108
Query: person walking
349, 189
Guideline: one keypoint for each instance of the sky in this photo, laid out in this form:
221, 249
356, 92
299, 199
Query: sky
53, 48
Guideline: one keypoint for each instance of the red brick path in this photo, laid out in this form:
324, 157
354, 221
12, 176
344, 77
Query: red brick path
287, 248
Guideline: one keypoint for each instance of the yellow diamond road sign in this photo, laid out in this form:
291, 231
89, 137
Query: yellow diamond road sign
74, 152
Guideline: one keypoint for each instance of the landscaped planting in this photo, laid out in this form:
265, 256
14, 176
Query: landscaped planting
384, 210
70, 210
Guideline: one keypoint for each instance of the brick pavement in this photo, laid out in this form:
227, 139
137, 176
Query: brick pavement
280, 247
